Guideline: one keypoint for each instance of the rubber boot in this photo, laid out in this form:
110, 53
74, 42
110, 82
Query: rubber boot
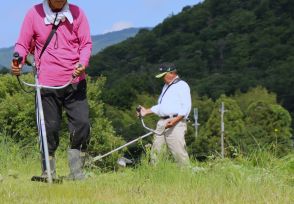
52, 167
76, 161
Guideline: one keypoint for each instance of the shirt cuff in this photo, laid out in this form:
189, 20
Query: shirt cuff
155, 109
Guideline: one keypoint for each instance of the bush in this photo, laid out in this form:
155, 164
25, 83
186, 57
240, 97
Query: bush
268, 126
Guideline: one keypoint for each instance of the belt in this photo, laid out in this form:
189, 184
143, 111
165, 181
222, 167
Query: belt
169, 116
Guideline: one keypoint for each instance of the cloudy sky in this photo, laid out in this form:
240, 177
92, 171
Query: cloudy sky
103, 15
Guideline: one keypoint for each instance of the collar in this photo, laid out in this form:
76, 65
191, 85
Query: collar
176, 78
62, 15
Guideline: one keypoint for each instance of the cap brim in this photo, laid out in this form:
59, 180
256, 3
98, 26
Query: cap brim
160, 75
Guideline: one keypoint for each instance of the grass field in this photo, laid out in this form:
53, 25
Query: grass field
259, 179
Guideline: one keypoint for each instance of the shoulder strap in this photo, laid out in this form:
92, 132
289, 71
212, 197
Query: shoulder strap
54, 28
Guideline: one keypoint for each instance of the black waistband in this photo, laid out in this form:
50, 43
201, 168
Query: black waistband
169, 116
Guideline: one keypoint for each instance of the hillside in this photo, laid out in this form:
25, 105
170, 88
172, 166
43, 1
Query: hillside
111, 38
99, 42
220, 46
5, 57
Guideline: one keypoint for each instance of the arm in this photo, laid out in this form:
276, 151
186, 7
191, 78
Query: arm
85, 44
23, 43
85, 40
185, 100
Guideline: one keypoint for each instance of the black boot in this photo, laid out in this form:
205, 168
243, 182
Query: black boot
76, 161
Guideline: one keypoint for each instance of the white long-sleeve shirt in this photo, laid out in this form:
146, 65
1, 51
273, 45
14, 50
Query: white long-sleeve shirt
175, 100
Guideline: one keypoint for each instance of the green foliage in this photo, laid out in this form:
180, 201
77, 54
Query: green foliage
103, 136
11, 154
204, 105
121, 95
260, 125
208, 142
268, 126
254, 94
9, 85
17, 118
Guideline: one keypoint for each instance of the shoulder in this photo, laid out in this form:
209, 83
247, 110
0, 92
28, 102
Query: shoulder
36, 10
76, 11
183, 84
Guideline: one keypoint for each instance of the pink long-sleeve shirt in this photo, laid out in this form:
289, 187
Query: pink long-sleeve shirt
71, 44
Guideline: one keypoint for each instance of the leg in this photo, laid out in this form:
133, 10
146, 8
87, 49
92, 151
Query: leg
77, 111
158, 143
175, 139
52, 116
76, 161
52, 108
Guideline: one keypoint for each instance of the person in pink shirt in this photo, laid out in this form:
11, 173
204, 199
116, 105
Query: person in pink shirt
66, 55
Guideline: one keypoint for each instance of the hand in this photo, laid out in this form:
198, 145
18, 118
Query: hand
138, 111
80, 69
16, 70
143, 111
172, 122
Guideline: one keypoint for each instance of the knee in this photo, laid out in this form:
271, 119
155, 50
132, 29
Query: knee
82, 122
52, 126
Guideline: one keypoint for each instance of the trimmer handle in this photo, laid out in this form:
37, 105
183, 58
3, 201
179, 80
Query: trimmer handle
17, 59
138, 109
73, 75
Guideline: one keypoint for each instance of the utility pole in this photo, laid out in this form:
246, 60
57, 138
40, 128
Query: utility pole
222, 110
196, 124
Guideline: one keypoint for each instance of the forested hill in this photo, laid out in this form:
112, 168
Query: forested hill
219, 46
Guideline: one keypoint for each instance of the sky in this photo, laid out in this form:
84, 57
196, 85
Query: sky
103, 15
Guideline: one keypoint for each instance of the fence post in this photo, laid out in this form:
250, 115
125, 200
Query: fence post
222, 110
196, 124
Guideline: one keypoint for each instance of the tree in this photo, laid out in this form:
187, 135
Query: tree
268, 127
258, 93
209, 136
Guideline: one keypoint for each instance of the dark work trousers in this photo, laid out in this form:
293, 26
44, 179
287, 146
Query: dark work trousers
73, 100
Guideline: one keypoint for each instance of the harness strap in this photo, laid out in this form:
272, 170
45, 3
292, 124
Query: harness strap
54, 28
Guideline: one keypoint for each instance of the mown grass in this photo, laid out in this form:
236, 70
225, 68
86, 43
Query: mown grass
260, 179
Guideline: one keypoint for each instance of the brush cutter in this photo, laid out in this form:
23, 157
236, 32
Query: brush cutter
151, 131
43, 145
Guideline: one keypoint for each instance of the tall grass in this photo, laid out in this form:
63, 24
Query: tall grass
11, 154
260, 178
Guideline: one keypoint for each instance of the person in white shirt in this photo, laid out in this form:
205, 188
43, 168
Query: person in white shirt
173, 108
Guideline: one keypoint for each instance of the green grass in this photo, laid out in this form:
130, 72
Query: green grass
223, 181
